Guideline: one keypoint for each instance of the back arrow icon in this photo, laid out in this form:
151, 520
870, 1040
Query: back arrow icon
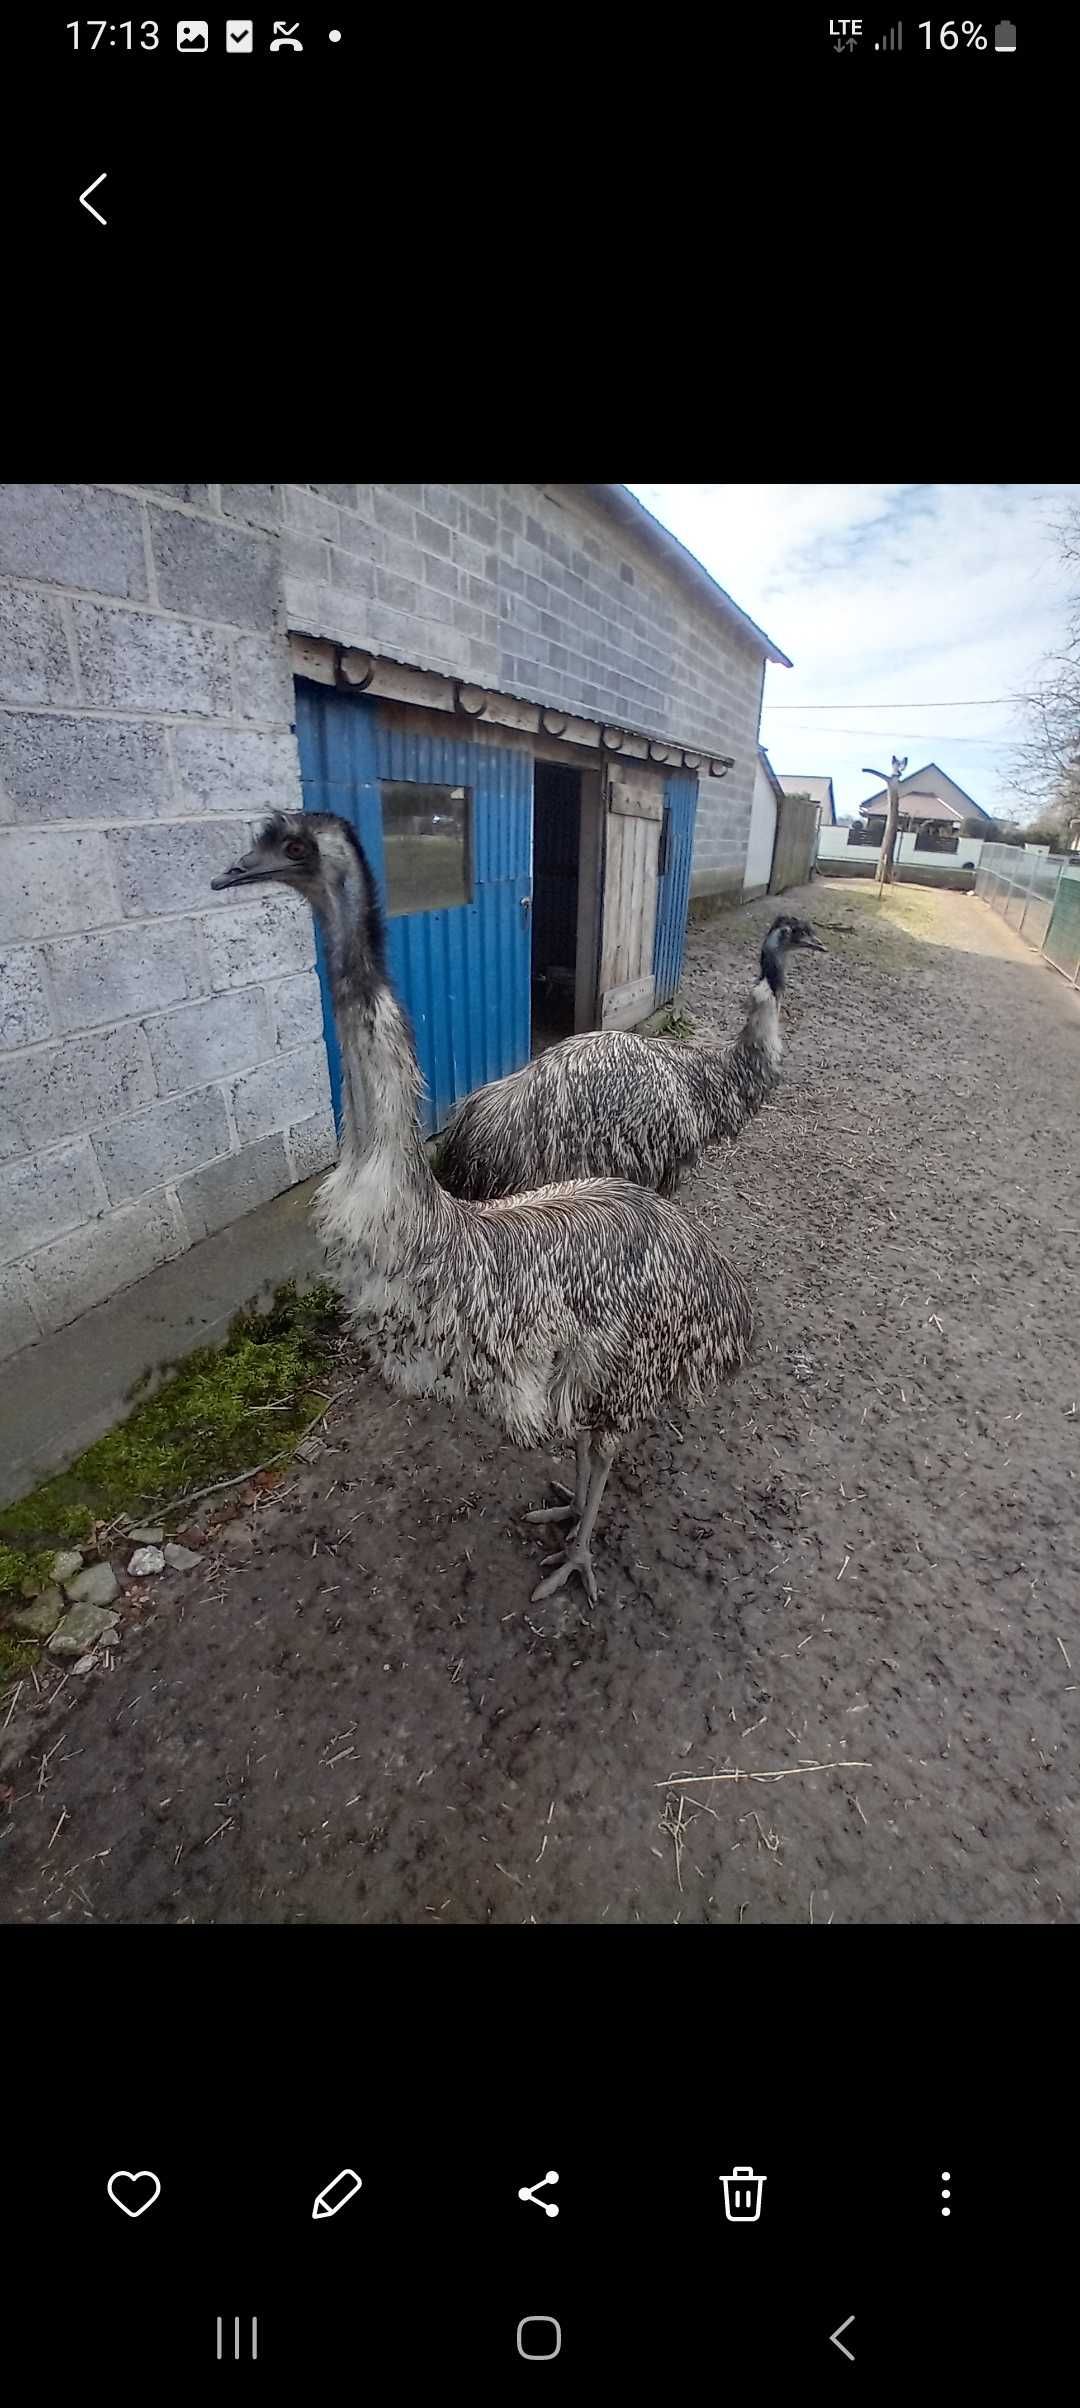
835, 2339
84, 198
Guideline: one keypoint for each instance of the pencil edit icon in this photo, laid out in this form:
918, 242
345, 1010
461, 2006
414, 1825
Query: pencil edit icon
336, 2195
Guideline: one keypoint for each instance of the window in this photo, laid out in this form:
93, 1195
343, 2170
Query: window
861, 834
426, 841
937, 836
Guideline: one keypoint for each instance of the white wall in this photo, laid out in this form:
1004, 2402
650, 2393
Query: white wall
833, 846
759, 851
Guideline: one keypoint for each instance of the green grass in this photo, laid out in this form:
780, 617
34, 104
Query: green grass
208, 1420
673, 1023
888, 926
16, 1657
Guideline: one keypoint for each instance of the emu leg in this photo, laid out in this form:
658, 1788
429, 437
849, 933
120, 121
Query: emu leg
578, 1557
572, 1512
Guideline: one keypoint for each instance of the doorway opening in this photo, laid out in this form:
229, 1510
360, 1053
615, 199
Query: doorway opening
556, 881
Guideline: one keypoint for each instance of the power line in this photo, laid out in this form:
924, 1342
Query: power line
918, 735
979, 702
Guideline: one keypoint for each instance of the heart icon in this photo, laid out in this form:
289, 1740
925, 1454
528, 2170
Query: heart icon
134, 2193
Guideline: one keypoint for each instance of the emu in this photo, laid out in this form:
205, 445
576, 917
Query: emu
614, 1105
572, 1313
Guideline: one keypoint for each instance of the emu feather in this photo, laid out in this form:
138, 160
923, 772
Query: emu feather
614, 1105
573, 1312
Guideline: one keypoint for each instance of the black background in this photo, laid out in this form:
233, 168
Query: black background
449, 2069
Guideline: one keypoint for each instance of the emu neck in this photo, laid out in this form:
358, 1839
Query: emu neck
744, 1074
380, 1077
772, 965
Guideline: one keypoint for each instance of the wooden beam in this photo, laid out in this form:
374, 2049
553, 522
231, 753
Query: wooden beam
623, 1007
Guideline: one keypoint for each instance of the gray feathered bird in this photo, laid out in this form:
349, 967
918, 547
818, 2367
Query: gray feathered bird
611, 1104
574, 1313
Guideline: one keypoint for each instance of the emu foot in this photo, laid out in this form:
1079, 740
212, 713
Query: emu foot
576, 1559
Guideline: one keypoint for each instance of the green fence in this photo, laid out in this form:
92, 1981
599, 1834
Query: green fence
1038, 894
1061, 943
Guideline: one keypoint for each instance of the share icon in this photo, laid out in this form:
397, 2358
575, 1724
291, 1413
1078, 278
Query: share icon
548, 2205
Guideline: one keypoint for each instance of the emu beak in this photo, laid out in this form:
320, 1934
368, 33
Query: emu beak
250, 867
813, 943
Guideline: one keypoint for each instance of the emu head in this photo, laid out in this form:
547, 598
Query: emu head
786, 933
320, 857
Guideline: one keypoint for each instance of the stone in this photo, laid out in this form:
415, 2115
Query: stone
86, 1663
181, 1559
66, 1564
146, 1560
40, 1619
96, 1586
82, 1627
236, 1534
144, 1535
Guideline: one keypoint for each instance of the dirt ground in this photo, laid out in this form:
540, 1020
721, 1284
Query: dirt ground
863, 1559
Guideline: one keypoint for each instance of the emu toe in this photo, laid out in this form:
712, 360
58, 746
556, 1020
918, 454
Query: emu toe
570, 1512
576, 1559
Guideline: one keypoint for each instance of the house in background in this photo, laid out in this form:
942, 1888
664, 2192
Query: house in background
538, 710
820, 791
933, 808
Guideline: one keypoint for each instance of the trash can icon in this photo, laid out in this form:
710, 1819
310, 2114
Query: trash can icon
742, 2195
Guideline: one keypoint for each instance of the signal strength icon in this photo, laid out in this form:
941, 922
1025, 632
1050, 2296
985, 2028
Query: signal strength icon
893, 40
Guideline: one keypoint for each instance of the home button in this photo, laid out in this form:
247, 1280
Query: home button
539, 2337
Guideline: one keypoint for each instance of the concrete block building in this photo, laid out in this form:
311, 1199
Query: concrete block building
539, 711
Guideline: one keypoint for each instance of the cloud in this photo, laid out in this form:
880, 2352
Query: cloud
897, 594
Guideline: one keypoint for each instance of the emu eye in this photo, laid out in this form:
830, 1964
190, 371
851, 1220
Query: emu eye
296, 848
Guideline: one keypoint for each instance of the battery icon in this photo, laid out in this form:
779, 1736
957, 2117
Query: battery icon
1004, 35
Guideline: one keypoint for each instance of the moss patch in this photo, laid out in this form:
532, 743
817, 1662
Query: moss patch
212, 1418
21, 1566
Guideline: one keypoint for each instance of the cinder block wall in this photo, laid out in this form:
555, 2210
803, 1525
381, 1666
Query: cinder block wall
535, 590
162, 1066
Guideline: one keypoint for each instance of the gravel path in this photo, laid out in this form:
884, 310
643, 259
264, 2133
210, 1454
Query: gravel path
865, 1558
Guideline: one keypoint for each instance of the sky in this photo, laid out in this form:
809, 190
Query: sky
933, 600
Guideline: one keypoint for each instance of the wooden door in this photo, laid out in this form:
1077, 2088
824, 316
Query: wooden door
633, 818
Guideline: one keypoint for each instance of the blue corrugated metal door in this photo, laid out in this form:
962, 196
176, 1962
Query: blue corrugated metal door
463, 973
673, 881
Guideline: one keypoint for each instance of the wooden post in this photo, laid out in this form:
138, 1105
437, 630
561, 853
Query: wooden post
891, 779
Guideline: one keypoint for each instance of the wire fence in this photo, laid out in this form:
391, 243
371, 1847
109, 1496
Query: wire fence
1039, 896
